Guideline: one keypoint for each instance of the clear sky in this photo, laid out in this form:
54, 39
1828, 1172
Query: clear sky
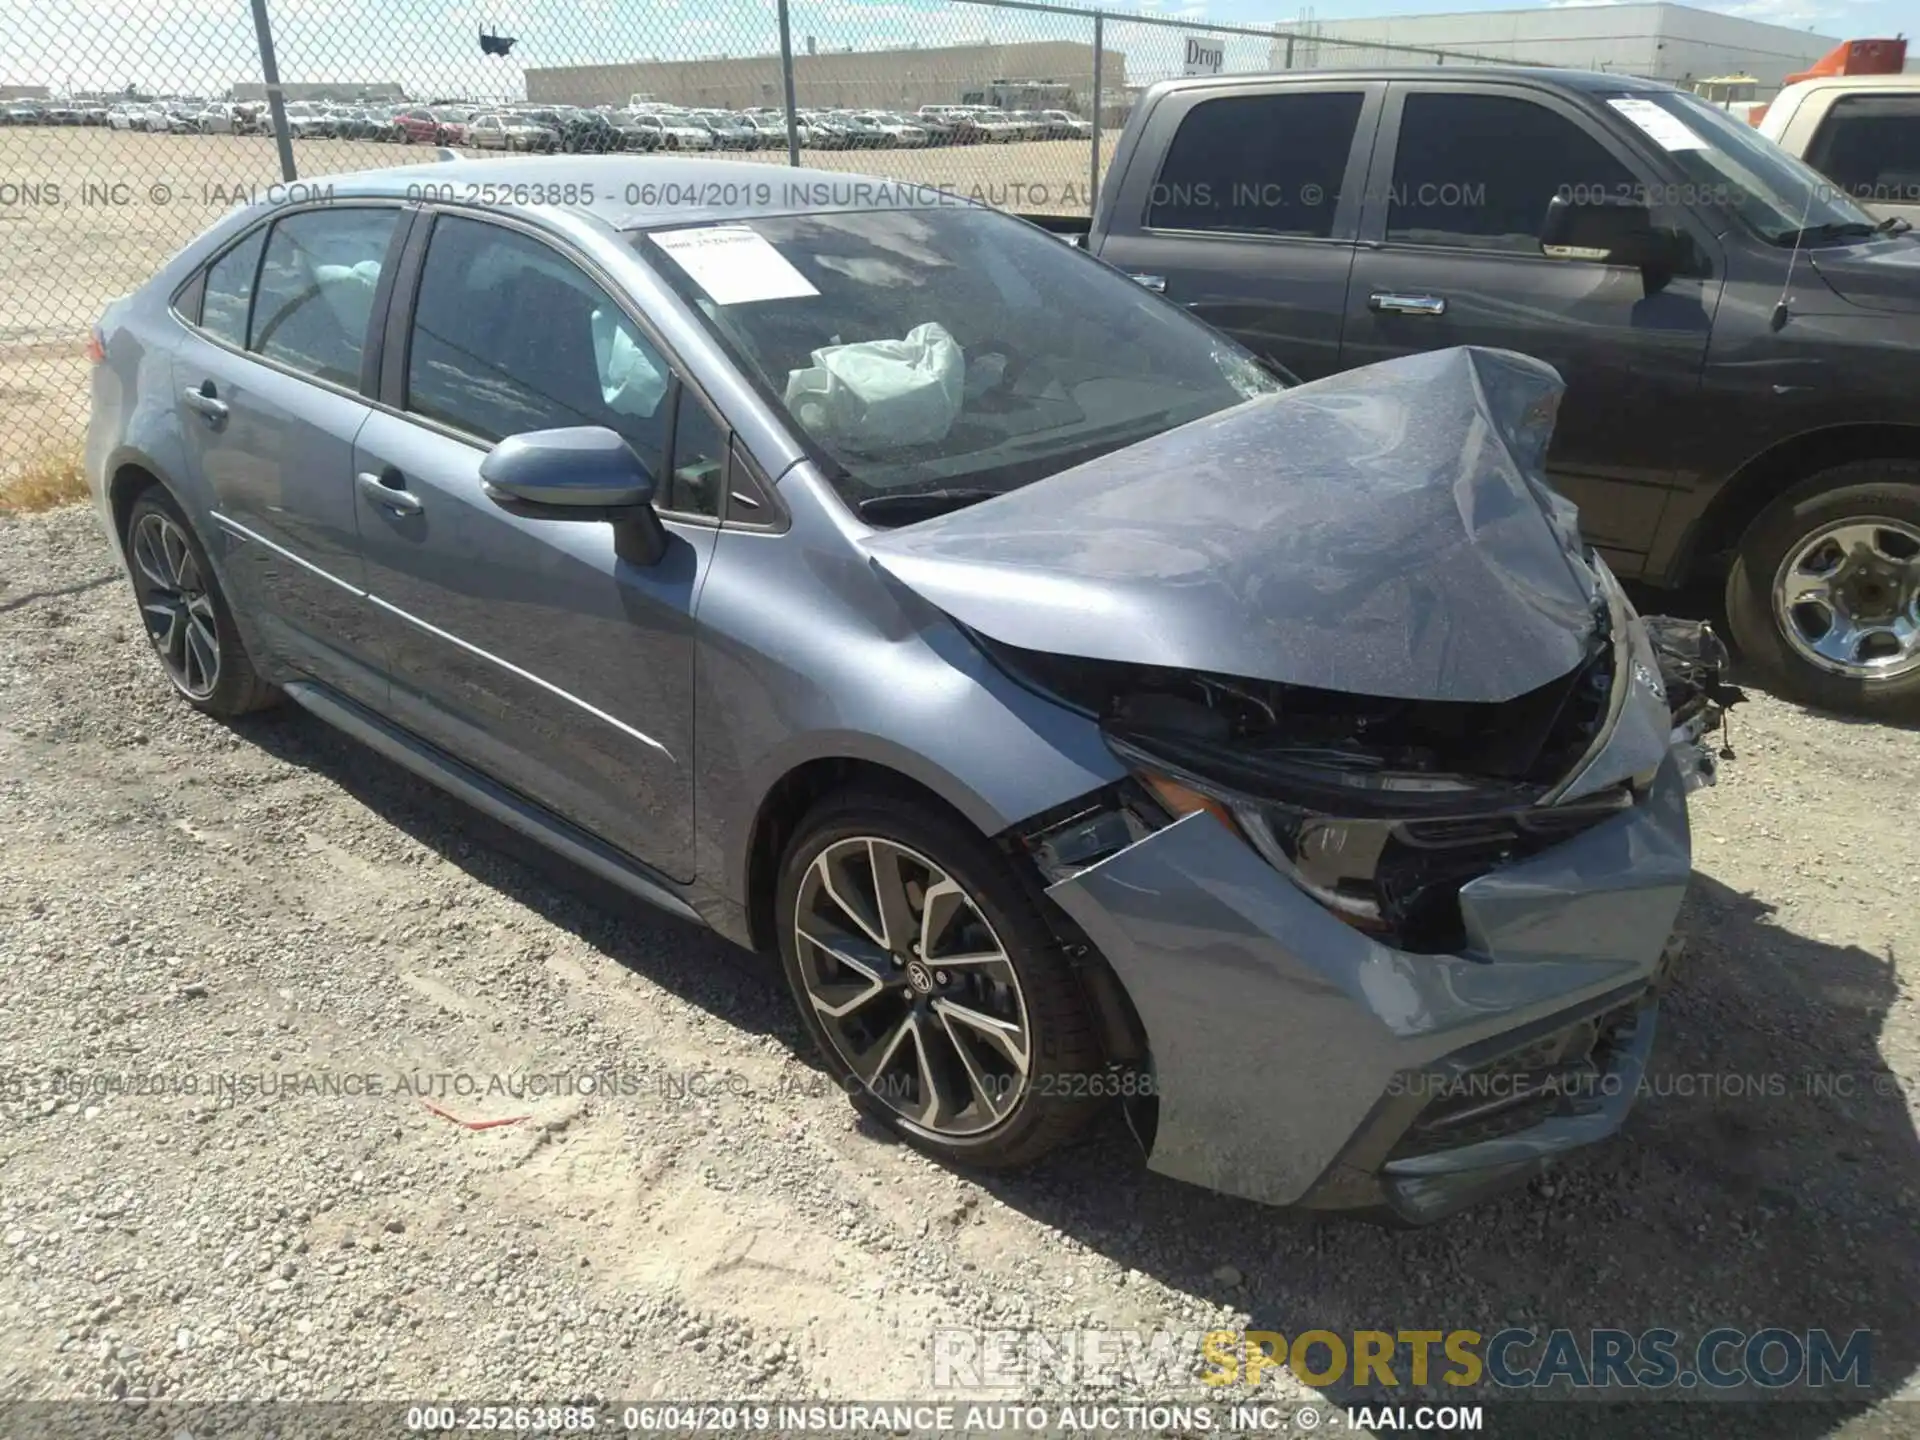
202, 46
1844, 19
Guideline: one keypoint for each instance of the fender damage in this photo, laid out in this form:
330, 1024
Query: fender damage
1391, 888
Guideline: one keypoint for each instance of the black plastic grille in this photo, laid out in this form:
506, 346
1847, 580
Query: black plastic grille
1560, 1074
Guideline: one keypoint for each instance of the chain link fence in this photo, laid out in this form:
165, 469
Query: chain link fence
108, 164
127, 130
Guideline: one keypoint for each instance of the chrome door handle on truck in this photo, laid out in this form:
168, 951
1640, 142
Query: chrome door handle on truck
1408, 304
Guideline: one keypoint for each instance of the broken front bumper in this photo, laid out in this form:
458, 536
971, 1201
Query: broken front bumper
1298, 1061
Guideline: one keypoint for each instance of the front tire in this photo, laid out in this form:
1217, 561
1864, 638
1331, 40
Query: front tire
930, 982
1824, 595
186, 615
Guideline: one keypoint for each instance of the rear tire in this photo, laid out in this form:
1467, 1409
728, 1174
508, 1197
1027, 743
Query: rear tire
994, 1056
1860, 524
185, 613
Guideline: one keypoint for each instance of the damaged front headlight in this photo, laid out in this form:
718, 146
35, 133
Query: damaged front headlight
1334, 861
1379, 809
1395, 870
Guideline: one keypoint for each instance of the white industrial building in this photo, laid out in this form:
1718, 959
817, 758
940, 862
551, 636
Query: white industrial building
1663, 42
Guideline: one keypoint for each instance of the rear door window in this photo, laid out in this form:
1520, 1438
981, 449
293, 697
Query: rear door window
1869, 145
1258, 164
316, 289
229, 292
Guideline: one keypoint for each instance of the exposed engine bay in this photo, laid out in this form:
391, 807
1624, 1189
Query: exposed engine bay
1379, 808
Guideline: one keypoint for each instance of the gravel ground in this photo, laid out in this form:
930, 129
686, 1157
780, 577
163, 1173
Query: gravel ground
183, 903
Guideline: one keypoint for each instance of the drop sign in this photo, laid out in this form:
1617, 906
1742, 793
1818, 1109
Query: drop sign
1205, 57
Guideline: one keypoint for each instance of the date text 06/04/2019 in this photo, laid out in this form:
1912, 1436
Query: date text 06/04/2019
1106, 1418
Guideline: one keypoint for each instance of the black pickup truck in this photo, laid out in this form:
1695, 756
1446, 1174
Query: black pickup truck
1740, 342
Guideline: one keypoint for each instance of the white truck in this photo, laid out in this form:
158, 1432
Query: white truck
1860, 130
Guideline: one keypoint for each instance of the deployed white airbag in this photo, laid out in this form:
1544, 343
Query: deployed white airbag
878, 393
348, 291
629, 381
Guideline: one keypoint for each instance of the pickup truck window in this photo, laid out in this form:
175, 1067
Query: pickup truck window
1258, 164
1480, 170
1728, 164
1869, 145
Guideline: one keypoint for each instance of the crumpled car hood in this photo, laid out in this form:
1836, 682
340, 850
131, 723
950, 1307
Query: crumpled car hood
1384, 532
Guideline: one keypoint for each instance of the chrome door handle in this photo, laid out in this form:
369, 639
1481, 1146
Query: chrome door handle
1408, 304
211, 410
1155, 283
389, 488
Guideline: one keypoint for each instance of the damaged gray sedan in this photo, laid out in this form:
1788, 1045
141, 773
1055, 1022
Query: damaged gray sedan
1081, 715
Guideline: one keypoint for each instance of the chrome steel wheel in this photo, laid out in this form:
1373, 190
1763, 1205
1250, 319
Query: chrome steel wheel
1847, 598
913, 988
176, 605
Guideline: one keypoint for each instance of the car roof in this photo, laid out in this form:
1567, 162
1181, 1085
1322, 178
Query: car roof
1908, 80
744, 190
1539, 75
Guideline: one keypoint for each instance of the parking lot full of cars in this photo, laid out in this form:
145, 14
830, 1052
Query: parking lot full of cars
574, 129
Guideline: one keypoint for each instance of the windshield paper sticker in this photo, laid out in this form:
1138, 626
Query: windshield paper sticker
734, 265
1665, 130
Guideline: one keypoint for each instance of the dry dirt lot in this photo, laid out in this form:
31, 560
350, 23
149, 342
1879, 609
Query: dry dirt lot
232, 953
87, 214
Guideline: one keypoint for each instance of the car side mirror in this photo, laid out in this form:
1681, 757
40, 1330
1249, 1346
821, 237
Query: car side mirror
1615, 232
581, 472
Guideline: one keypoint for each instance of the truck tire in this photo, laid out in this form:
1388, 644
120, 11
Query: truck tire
1824, 595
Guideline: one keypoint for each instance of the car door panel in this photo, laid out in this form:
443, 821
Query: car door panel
1259, 242
1632, 361
1622, 355
528, 648
279, 470
273, 447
